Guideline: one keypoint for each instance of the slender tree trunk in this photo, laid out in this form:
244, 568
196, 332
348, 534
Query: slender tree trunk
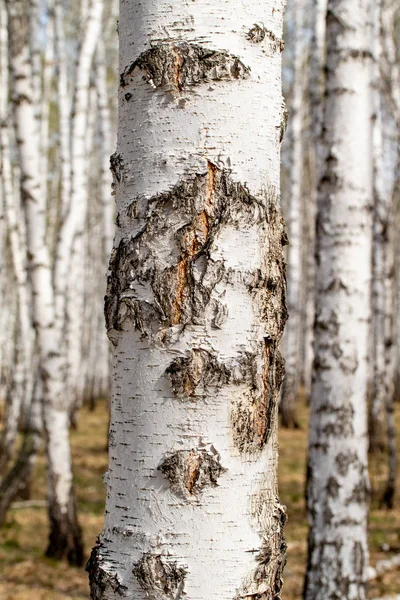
18, 477
64, 111
20, 389
195, 306
68, 275
65, 536
382, 388
48, 72
316, 95
292, 337
106, 144
338, 487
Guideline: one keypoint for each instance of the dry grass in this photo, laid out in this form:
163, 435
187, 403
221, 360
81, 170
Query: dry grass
27, 575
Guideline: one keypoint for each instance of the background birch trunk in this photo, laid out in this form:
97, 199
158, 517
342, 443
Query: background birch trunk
381, 425
65, 536
295, 281
195, 306
68, 274
316, 100
337, 489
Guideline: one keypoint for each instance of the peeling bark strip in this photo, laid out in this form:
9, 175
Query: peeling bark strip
182, 65
190, 471
162, 578
195, 308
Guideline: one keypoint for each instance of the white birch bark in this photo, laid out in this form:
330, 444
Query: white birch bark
64, 107
316, 97
65, 537
68, 277
383, 372
106, 148
292, 337
20, 389
337, 487
195, 306
45, 97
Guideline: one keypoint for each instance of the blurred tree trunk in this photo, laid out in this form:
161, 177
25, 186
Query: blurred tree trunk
338, 487
20, 384
69, 276
316, 99
381, 425
65, 535
383, 272
108, 204
295, 282
195, 306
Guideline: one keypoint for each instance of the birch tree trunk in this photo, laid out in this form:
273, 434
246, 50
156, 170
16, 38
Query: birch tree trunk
383, 266
106, 143
64, 111
337, 488
68, 272
292, 345
65, 535
195, 306
316, 97
381, 413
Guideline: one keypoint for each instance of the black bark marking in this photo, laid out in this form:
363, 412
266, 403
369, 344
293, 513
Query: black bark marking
340, 420
283, 128
100, 580
160, 577
180, 65
345, 460
360, 491
332, 487
258, 33
190, 471
116, 166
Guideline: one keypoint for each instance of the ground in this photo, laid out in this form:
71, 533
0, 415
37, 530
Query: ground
27, 575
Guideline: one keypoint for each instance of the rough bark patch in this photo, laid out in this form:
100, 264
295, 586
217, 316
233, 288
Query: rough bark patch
186, 219
265, 583
161, 578
252, 416
100, 580
190, 471
179, 65
200, 369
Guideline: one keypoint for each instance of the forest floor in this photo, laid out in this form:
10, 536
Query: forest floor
27, 575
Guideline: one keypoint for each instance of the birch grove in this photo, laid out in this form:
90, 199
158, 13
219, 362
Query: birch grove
158, 228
